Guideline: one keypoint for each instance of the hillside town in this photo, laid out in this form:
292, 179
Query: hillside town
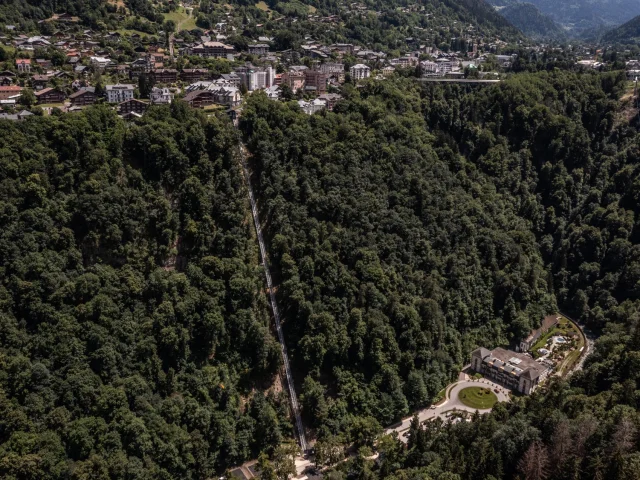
70, 69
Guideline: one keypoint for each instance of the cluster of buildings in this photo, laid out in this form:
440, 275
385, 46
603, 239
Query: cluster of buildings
517, 370
88, 54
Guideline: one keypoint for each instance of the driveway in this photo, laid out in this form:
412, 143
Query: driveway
452, 401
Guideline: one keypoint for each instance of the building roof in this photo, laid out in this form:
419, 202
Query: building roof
482, 352
516, 363
195, 94
217, 44
120, 86
82, 91
44, 91
132, 100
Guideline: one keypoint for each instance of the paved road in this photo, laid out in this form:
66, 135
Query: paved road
274, 306
451, 402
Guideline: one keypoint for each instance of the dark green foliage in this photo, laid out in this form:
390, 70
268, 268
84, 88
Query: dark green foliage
373, 213
131, 330
396, 255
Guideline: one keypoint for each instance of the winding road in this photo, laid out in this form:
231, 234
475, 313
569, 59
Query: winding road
452, 402
274, 306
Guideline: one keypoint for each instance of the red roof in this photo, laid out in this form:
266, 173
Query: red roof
10, 88
25, 61
43, 91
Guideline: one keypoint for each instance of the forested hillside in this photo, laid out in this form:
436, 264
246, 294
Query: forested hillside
412, 225
627, 33
379, 25
586, 17
132, 334
26, 14
397, 256
530, 21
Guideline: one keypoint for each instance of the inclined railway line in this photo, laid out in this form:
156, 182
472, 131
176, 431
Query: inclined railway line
295, 407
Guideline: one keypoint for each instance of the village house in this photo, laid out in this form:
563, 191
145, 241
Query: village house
38, 82
213, 49
100, 63
140, 65
191, 75
15, 116
429, 68
50, 95
294, 80
258, 49
388, 71
229, 96
513, 370
200, 98
23, 65
132, 106
161, 96
231, 79
84, 96
315, 81
359, 72
10, 91
119, 93
330, 99
43, 63
164, 75
345, 48
313, 106
332, 69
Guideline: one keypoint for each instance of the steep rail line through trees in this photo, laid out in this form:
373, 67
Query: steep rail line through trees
274, 306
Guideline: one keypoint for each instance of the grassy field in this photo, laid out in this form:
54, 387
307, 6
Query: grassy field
124, 31
182, 19
478, 397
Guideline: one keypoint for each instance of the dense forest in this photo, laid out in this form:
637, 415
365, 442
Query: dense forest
132, 332
415, 223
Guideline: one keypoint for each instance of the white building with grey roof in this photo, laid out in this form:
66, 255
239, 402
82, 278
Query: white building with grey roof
514, 370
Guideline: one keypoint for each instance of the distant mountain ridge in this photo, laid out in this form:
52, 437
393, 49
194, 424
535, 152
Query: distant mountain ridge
530, 20
581, 17
626, 33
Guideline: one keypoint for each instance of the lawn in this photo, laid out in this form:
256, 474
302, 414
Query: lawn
478, 397
182, 19
262, 5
